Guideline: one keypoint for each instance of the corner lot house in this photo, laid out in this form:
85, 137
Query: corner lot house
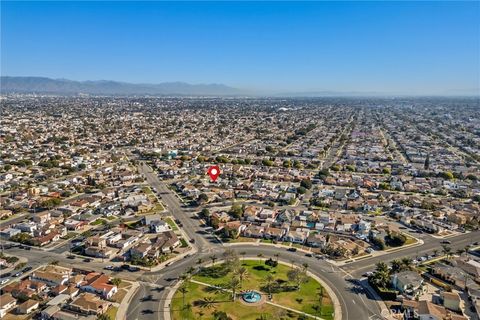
98, 283
7, 302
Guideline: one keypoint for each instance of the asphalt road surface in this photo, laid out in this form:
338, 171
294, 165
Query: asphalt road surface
148, 301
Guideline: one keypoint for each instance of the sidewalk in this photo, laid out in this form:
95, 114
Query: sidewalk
122, 309
385, 313
168, 300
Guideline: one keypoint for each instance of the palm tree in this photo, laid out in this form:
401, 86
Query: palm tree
296, 276
435, 252
381, 276
396, 265
406, 263
269, 281
233, 285
320, 293
183, 290
460, 252
276, 255
199, 261
316, 308
242, 274
207, 303
447, 251
304, 267
213, 258
186, 277
381, 267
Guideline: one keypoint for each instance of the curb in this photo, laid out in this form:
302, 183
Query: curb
123, 307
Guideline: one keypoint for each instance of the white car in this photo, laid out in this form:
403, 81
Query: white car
4, 281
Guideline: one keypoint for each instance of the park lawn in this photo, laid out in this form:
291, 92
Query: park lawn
257, 272
171, 223
222, 302
307, 298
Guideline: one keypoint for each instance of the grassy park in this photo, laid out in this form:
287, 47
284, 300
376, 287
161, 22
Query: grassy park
209, 292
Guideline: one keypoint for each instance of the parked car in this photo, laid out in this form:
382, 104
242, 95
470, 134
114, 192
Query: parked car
133, 269
108, 268
4, 281
308, 255
446, 242
26, 269
292, 249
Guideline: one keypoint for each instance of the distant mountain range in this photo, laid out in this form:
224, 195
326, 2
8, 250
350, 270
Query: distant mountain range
103, 87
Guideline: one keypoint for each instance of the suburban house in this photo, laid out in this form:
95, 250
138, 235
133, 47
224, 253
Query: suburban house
159, 226
52, 275
89, 304
7, 302
28, 306
98, 283
407, 281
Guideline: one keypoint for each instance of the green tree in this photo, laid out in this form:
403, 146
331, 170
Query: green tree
242, 274
116, 281
269, 281
236, 210
202, 198
234, 285
296, 276
447, 251
448, 175
306, 183
220, 315
183, 290
301, 190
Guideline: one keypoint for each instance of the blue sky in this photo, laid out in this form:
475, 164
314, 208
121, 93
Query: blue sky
381, 47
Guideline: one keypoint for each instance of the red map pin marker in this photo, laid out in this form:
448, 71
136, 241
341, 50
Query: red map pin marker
213, 172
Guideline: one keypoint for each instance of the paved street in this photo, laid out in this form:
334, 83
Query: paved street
458, 242
148, 301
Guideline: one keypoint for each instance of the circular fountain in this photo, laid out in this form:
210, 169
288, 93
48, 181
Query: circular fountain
251, 296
